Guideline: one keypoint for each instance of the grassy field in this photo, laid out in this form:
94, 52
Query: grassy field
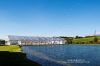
86, 40
80, 40
11, 48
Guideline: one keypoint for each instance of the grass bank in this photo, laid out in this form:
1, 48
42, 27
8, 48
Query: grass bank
10, 48
12, 56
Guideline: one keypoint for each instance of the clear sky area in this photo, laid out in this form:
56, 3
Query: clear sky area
49, 17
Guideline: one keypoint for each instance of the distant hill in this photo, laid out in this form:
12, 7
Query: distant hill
87, 40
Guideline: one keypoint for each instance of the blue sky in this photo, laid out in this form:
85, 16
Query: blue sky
49, 17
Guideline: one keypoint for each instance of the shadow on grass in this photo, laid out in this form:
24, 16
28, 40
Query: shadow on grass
15, 59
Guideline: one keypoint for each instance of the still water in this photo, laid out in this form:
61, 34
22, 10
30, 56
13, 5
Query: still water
64, 55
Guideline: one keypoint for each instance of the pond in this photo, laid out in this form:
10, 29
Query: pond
64, 55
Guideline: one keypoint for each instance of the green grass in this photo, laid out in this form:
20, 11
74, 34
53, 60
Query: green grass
98, 37
10, 48
84, 40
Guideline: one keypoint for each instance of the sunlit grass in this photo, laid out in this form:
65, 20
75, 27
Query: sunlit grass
86, 40
11, 48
